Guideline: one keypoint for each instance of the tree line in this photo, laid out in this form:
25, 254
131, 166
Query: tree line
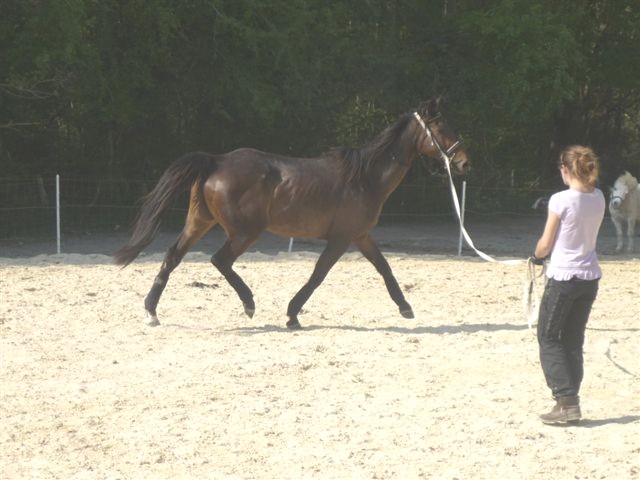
118, 89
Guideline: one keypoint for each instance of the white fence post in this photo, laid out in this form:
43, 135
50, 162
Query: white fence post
464, 194
58, 212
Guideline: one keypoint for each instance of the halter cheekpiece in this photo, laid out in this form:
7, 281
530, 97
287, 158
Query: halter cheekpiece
448, 154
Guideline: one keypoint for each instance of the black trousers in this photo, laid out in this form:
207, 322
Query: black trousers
564, 312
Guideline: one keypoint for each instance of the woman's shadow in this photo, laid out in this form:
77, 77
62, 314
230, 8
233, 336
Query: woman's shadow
589, 423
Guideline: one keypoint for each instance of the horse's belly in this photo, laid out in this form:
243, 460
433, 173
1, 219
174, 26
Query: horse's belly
290, 224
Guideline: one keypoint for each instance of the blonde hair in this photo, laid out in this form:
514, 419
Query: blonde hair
582, 162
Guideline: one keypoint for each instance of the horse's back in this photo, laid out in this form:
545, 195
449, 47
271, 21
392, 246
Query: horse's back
290, 196
253, 155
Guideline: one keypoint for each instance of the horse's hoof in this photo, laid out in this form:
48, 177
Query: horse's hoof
407, 313
249, 311
152, 320
294, 324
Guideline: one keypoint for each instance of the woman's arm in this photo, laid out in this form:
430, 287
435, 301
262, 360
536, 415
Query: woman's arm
548, 238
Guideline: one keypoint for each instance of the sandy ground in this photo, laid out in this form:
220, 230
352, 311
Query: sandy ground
89, 392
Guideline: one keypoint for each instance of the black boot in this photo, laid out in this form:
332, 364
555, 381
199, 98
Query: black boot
566, 410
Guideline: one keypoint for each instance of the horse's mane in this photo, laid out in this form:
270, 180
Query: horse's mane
357, 162
629, 180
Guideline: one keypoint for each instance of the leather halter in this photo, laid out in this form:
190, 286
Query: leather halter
448, 154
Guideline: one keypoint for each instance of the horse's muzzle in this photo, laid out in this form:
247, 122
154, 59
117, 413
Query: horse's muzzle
461, 163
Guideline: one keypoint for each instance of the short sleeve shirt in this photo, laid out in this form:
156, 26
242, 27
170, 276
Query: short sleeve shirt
574, 251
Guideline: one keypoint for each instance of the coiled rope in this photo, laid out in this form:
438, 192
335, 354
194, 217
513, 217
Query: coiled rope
531, 293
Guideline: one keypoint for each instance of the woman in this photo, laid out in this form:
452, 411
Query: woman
570, 234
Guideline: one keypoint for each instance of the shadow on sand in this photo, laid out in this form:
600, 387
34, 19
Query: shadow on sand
594, 423
439, 330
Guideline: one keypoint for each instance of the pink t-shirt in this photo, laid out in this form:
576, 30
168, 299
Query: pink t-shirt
574, 251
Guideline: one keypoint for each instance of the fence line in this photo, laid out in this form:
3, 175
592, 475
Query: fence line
93, 205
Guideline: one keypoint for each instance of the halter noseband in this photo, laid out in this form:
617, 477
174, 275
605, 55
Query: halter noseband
448, 154
616, 197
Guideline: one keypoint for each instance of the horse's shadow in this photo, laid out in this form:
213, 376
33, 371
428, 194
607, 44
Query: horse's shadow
614, 329
422, 330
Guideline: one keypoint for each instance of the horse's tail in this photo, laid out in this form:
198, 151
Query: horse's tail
181, 175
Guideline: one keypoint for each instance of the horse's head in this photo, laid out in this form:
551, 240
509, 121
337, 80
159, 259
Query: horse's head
438, 140
624, 184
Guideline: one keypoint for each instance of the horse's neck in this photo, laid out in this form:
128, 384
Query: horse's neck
635, 202
389, 157
395, 165
630, 206
395, 171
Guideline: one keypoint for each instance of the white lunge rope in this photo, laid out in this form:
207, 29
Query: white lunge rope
454, 194
456, 203
531, 296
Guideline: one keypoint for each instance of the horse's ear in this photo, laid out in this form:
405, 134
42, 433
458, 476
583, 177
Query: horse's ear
433, 106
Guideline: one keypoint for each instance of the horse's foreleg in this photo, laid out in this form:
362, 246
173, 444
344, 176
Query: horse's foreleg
328, 258
223, 260
372, 253
631, 227
618, 226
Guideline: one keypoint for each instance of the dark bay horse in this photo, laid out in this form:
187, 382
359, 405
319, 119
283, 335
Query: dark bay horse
337, 197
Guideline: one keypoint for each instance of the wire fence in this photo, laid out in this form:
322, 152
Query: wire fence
95, 205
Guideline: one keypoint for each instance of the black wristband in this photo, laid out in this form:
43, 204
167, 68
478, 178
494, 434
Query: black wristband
536, 260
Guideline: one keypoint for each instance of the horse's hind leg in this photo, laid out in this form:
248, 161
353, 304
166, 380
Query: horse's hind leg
223, 260
331, 254
372, 253
192, 232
